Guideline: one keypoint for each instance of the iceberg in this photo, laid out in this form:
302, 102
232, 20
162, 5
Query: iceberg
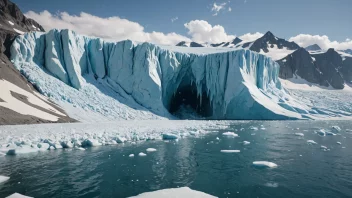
128, 80
174, 193
230, 151
142, 154
17, 195
151, 150
265, 164
230, 134
3, 179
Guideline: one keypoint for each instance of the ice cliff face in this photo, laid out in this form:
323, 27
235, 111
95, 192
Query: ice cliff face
228, 85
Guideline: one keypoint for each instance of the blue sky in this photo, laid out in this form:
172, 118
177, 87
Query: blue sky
285, 18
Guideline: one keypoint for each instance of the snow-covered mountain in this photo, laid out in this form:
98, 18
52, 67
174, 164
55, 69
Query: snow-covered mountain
300, 62
326, 68
268, 44
20, 103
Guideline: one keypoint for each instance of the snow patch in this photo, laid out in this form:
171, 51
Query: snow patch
18, 31
21, 107
11, 23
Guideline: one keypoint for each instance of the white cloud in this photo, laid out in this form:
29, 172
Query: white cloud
251, 37
217, 8
111, 28
174, 19
230, 9
201, 31
324, 42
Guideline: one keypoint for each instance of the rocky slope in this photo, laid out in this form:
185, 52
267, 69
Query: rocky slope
324, 68
19, 101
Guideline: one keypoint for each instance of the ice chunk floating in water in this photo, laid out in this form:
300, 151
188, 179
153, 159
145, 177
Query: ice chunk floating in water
90, 77
175, 193
311, 142
142, 154
3, 179
230, 151
17, 195
299, 134
230, 134
264, 164
246, 142
151, 150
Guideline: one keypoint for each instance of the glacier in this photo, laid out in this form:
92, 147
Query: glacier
93, 79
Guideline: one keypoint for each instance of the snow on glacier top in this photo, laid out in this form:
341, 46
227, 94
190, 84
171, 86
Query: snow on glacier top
197, 50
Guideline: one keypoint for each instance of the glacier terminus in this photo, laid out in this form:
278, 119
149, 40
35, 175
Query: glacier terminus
128, 80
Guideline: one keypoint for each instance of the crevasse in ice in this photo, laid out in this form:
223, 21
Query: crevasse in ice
236, 84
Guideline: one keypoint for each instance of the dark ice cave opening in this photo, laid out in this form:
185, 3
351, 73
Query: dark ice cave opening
186, 104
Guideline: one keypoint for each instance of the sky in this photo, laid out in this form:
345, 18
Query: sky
325, 22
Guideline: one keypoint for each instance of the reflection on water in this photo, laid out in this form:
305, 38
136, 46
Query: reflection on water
303, 170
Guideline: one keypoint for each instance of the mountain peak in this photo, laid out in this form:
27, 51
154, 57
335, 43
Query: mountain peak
331, 50
314, 47
268, 34
236, 41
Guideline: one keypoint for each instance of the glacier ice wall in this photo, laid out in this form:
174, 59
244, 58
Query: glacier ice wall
237, 84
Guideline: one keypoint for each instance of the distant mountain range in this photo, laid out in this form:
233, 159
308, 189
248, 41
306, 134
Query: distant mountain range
327, 68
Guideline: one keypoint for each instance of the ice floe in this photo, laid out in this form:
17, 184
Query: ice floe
338, 143
311, 142
142, 154
22, 139
253, 128
336, 128
150, 149
246, 142
299, 134
321, 132
230, 151
330, 133
17, 195
131, 155
265, 164
230, 134
174, 193
3, 179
